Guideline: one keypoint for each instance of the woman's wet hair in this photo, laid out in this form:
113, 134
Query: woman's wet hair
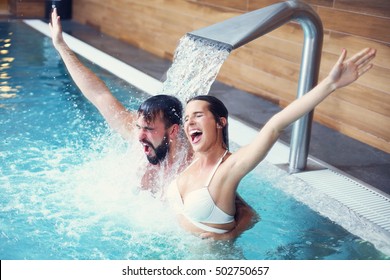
219, 110
166, 106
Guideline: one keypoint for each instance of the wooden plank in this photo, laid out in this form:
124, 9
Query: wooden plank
367, 98
268, 63
354, 132
278, 88
356, 116
190, 9
376, 28
149, 27
290, 32
335, 42
258, 4
88, 11
372, 7
28, 9
283, 49
240, 6
255, 90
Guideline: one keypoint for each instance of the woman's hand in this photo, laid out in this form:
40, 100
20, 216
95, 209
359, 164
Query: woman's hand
346, 72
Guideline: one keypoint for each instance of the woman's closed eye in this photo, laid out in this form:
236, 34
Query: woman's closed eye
196, 115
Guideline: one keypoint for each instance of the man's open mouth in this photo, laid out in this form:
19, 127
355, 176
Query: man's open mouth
147, 147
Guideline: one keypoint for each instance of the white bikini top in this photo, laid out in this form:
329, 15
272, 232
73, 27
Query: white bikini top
199, 206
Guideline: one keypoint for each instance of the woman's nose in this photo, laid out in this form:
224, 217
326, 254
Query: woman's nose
191, 120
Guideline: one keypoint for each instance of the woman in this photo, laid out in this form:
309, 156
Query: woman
204, 193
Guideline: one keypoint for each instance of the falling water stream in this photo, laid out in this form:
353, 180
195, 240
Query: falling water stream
195, 67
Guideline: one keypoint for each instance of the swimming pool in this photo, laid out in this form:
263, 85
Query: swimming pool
68, 188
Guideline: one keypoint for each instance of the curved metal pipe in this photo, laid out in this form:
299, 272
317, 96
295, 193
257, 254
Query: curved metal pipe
242, 29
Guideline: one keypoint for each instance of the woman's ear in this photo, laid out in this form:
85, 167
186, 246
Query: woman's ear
222, 122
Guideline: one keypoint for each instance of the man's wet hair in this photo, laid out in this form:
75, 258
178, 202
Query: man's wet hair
166, 106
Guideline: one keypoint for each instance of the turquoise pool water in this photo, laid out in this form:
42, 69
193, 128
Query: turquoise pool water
68, 187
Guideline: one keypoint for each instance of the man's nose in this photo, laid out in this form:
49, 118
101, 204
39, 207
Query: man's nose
141, 134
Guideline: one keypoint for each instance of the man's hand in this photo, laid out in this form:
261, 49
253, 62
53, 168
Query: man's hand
245, 218
56, 29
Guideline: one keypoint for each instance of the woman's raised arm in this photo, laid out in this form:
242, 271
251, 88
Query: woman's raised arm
343, 73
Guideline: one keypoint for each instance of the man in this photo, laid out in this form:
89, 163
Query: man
159, 131
158, 122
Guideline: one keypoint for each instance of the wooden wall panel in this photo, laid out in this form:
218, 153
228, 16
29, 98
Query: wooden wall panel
371, 7
27, 8
258, 4
241, 6
375, 28
269, 66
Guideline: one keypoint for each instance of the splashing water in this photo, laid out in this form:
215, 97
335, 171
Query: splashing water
195, 67
69, 189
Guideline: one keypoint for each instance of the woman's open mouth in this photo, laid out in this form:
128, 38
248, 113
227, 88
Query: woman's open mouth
195, 135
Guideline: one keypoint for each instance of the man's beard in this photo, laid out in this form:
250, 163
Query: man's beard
160, 151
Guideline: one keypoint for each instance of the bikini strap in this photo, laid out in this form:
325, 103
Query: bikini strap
215, 168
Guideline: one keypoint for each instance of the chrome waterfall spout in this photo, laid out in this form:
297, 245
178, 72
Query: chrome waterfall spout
242, 29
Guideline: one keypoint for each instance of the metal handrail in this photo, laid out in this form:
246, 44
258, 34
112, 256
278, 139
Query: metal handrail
242, 29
